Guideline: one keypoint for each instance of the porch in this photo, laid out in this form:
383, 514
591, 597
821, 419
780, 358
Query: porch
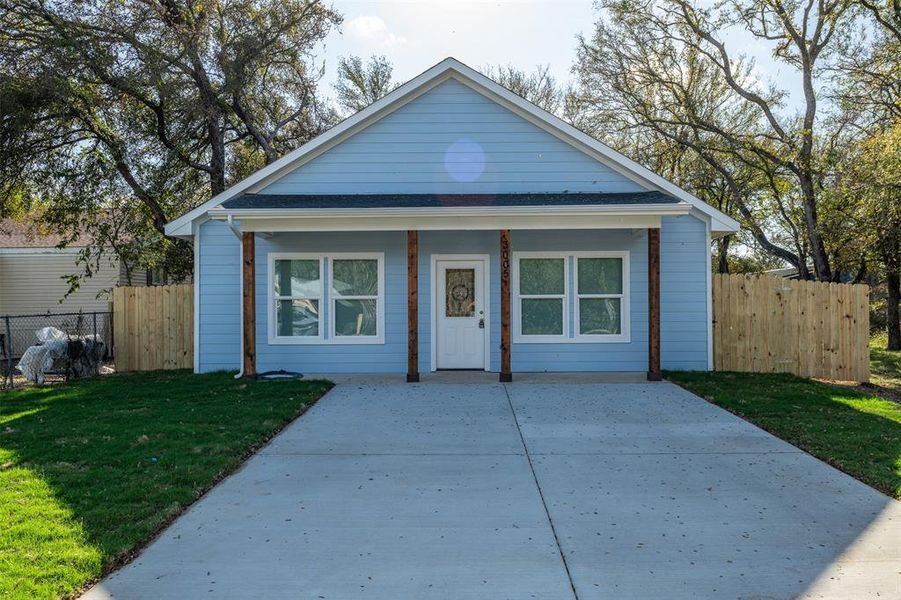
407, 319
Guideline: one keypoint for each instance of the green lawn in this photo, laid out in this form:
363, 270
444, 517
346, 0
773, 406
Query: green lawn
885, 366
89, 471
857, 432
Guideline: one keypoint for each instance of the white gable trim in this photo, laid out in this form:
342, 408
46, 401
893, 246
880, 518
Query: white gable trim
452, 68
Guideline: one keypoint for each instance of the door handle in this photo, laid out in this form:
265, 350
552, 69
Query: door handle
482, 323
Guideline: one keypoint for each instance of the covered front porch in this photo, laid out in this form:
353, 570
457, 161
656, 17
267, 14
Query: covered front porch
414, 294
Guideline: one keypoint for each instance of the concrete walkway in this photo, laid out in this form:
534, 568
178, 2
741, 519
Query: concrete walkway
529, 490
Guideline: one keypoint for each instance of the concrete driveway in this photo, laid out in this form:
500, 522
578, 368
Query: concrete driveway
529, 490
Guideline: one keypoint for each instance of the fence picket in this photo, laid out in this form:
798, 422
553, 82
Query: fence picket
766, 324
154, 327
761, 324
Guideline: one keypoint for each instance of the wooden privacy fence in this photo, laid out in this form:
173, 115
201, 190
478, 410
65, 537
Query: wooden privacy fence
760, 324
153, 327
767, 324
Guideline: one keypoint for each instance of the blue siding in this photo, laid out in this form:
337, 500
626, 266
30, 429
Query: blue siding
683, 294
616, 356
219, 283
683, 298
419, 147
390, 357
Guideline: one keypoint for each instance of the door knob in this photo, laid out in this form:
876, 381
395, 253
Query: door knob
481, 323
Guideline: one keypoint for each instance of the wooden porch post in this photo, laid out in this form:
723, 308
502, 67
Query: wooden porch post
506, 373
654, 373
248, 272
412, 306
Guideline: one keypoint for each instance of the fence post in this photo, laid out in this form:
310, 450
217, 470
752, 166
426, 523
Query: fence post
111, 323
9, 353
96, 364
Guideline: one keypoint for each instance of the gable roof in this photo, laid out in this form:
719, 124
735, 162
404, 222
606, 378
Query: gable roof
446, 69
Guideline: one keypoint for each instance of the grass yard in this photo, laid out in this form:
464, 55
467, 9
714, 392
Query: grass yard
89, 471
885, 366
857, 432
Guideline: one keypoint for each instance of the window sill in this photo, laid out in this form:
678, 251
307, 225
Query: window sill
541, 339
349, 341
602, 339
581, 339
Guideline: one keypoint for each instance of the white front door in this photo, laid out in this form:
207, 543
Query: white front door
460, 311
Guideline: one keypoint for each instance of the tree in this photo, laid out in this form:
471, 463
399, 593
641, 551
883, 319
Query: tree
120, 115
360, 85
665, 67
539, 88
871, 188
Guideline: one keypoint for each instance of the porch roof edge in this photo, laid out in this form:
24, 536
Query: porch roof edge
250, 202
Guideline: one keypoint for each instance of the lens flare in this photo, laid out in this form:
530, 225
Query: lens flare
464, 160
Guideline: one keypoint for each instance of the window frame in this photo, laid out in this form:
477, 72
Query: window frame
516, 303
273, 299
327, 299
625, 310
334, 297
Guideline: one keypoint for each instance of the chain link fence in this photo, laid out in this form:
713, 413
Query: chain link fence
92, 330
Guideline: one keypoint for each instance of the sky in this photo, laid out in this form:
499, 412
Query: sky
416, 34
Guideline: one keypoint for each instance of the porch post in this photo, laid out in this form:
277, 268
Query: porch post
248, 272
412, 306
506, 375
654, 305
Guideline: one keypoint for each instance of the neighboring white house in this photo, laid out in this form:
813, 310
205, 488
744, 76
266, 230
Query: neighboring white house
33, 274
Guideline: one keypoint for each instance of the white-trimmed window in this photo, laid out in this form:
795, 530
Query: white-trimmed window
336, 298
357, 297
544, 296
602, 296
296, 296
541, 282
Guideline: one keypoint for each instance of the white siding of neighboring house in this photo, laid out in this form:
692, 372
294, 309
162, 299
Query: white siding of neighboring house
33, 281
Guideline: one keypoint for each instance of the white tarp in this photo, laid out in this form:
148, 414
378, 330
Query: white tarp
37, 360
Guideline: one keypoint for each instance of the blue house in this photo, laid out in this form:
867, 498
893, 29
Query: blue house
453, 225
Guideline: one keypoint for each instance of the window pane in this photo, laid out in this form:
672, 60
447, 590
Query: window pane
459, 286
355, 317
600, 276
355, 277
539, 276
297, 278
542, 316
297, 317
600, 316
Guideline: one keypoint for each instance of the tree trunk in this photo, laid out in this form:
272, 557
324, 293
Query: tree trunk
723, 262
817, 248
893, 318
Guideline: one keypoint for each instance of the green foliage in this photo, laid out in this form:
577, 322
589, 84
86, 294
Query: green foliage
868, 190
667, 84
540, 87
90, 470
360, 85
119, 116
